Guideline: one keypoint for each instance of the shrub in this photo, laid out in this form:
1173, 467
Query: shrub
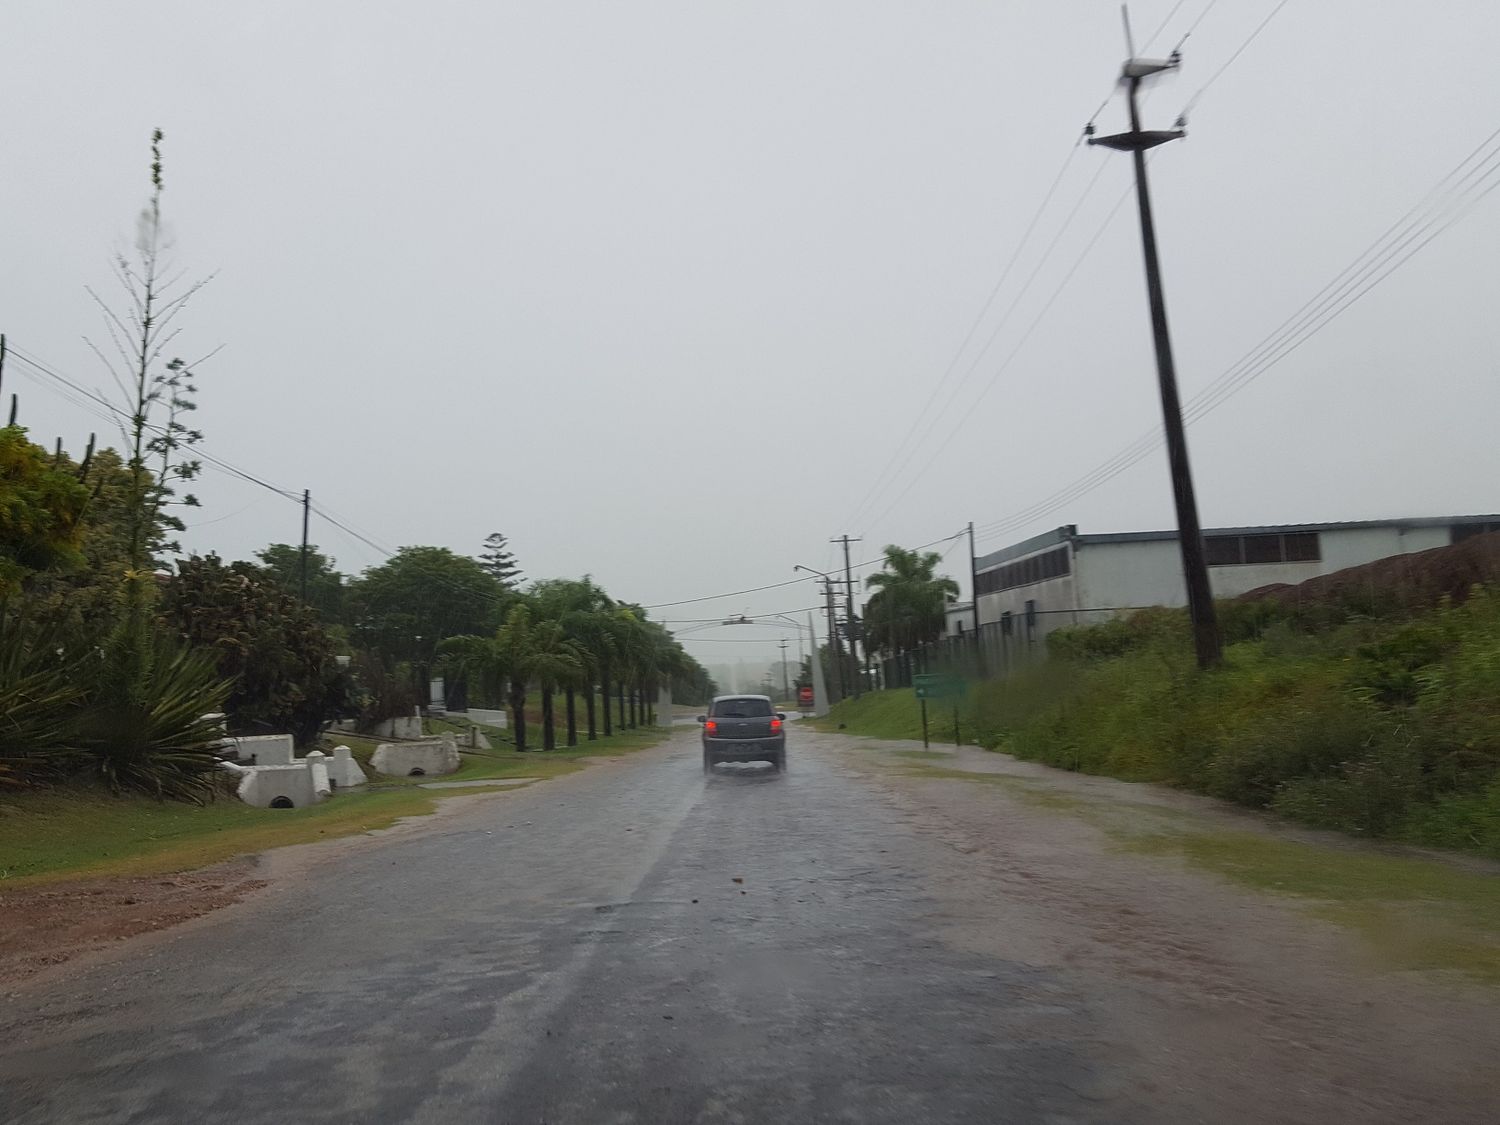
1367, 795
1457, 820
149, 731
39, 700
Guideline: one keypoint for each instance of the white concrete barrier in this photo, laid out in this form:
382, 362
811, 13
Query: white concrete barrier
270, 786
267, 749
317, 766
430, 757
408, 726
343, 770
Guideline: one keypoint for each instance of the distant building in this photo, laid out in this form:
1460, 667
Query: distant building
1063, 578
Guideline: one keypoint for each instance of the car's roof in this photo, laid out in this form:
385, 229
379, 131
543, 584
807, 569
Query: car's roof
767, 698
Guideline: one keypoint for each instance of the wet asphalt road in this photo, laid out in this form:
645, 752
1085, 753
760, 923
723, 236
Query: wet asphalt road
579, 951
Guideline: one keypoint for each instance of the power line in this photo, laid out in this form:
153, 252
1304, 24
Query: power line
1177, 7
1254, 35
789, 582
989, 300
1450, 200
958, 386
118, 412
968, 414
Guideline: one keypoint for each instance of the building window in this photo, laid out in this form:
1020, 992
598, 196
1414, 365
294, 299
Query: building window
1461, 531
1007, 623
1223, 550
1263, 549
1024, 572
1030, 620
1302, 546
1247, 550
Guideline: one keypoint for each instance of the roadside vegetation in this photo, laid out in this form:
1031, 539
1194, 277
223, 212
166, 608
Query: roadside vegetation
1343, 708
124, 663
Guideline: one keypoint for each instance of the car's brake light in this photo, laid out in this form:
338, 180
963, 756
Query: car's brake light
709, 726
775, 724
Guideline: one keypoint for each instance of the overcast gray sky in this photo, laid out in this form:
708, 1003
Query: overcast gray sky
661, 289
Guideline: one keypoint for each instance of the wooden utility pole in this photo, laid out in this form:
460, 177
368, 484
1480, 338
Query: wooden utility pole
849, 617
1189, 532
974, 593
306, 511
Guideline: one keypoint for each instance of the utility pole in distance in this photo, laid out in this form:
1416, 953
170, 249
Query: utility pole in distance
786, 686
835, 650
849, 607
974, 593
1189, 532
306, 510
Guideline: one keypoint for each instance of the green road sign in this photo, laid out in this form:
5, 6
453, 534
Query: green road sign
937, 685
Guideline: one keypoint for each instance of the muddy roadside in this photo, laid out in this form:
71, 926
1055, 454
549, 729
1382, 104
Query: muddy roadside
1317, 978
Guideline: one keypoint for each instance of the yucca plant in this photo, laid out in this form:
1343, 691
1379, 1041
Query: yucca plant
150, 734
39, 700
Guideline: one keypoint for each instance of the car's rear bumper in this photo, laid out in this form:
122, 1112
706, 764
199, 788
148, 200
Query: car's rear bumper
744, 749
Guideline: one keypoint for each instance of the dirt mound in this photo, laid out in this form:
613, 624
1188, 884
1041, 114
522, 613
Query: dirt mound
1411, 582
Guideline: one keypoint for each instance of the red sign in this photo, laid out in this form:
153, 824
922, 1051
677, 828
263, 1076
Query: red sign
805, 697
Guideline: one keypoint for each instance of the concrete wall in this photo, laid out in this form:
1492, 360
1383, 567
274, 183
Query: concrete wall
490, 718
1054, 599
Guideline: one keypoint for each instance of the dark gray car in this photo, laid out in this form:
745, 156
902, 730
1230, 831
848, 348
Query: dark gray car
743, 728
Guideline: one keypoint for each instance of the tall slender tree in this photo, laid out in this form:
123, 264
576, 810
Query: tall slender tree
553, 663
498, 559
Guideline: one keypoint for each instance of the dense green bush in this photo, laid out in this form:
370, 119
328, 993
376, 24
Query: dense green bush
1384, 725
73, 714
151, 731
40, 697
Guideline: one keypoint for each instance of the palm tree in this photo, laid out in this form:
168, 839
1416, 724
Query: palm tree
626, 650
553, 662
909, 606
587, 616
513, 650
504, 659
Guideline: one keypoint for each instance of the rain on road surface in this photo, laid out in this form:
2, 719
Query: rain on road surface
641, 944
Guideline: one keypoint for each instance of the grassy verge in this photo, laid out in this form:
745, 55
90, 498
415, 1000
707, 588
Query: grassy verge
1412, 912
897, 714
1385, 728
67, 834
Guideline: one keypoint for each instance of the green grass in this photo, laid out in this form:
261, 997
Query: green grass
71, 834
896, 715
1416, 914
68, 833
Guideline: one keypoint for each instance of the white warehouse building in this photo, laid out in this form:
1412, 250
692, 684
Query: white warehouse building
1062, 577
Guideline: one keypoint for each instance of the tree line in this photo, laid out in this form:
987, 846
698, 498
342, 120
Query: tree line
118, 658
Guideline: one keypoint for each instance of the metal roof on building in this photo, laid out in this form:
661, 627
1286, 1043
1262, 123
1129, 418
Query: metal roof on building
1069, 534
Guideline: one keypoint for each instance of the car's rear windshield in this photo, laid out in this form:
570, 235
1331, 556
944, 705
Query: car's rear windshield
742, 708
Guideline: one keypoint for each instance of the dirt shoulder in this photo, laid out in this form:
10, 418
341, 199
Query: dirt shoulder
46, 926
50, 925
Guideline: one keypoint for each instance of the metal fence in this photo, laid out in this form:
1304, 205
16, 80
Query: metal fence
997, 650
